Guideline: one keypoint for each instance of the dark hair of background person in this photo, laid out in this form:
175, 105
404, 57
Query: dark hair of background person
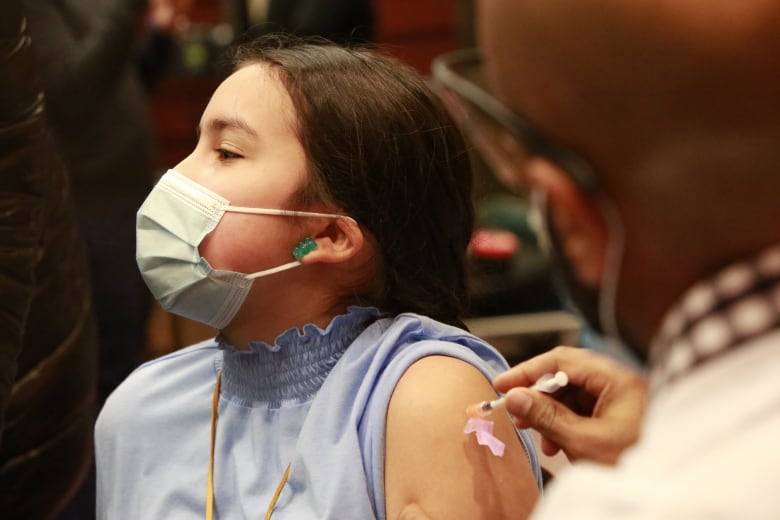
373, 134
94, 57
48, 338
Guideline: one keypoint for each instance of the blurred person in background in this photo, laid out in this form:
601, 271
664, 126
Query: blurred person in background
99, 59
647, 134
48, 339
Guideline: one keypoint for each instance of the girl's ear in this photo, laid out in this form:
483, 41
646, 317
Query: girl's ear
339, 241
577, 220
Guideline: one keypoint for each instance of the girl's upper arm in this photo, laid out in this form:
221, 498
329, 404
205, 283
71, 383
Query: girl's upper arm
430, 462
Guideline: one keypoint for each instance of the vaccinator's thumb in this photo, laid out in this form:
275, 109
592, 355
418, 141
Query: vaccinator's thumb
543, 413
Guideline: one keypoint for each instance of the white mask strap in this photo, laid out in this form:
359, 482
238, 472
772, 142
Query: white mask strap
282, 212
612, 265
273, 270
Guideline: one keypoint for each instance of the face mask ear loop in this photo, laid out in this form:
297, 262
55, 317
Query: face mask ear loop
281, 212
273, 270
536, 222
611, 274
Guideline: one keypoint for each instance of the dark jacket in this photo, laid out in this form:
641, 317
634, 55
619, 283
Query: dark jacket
96, 103
47, 333
97, 106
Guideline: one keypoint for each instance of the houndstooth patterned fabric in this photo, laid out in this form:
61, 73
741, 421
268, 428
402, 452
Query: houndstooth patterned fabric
717, 315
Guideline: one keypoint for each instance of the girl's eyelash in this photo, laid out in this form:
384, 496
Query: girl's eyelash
226, 154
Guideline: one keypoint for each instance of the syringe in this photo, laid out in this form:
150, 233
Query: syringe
548, 384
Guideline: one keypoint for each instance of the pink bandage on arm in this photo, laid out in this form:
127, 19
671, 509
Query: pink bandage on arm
484, 432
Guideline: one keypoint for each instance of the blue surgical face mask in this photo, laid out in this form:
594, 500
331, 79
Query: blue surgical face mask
170, 225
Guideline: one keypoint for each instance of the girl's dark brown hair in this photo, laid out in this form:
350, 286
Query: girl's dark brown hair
381, 146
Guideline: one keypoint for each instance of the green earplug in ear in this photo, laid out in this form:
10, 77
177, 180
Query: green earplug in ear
304, 247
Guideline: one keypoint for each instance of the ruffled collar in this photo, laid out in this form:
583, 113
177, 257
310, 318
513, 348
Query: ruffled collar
294, 367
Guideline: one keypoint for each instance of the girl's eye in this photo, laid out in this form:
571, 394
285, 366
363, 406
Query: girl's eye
225, 154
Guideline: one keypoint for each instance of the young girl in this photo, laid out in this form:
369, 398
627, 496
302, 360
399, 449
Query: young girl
320, 225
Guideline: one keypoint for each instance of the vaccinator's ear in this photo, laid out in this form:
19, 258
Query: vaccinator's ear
576, 218
339, 241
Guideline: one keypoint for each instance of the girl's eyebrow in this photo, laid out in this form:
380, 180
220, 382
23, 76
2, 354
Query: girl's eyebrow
219, 124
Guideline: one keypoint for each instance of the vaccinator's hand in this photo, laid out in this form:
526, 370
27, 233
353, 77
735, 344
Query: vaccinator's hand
595, 417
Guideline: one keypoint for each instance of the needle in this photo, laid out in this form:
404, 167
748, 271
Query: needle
548, 384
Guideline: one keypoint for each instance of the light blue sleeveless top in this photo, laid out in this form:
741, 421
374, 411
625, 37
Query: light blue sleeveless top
307, 400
